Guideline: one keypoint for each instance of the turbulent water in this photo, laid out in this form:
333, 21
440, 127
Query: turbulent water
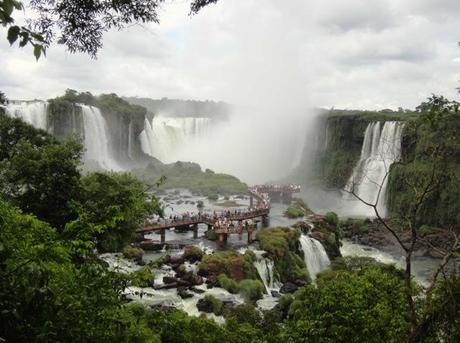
164, 137
264, 267
381, 148
315, 256
33, 113
96, 139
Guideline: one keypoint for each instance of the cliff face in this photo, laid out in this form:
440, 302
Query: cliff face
124, 123
343, 135
343, 140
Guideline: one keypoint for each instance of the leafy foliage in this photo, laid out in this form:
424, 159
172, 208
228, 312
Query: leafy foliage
79, 25
35, 169
114, 205
364, 306
430, 166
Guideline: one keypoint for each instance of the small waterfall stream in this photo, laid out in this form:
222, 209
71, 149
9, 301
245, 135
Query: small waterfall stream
315, 256
264, 266
381, 148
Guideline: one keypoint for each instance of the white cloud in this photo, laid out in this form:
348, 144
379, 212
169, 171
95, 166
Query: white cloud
355, 54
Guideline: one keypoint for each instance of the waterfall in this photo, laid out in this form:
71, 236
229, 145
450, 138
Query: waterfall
264, 267
381, 148
164, 136
315, 256
33, 113
96, 139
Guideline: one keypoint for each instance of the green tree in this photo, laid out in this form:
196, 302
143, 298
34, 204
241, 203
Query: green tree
349, 306
37, 173
44, 296
423, 179
112, 206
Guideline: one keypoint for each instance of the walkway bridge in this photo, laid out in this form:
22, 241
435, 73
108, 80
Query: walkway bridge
222, 223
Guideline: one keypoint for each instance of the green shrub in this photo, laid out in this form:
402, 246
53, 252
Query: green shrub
143, 277
133, 253
294, 211
216, 304
163, 259
251, 290
244, 313
193, 253
226, 283
212, 196
228, 262
282, 244
332, 218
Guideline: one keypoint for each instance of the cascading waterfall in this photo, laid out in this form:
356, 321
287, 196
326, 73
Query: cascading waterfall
96, 139
381, 148
33, 113
164, 136
315, 256
264, 267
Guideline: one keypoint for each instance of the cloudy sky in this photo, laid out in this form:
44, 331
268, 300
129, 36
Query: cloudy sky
347, 54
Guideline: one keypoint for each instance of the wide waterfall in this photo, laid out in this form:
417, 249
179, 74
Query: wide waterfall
96, 139
315, 256
264, 267
32, 112
164, 137
381, 148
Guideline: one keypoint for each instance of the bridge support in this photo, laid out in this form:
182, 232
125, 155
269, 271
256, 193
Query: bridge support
195, 231
222, 239
265, 221
163, 235
250, 236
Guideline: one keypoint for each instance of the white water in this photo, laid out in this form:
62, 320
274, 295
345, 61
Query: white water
422, 267
381, 148
96, 139
315, 256
264, 267
164, 137
33, 113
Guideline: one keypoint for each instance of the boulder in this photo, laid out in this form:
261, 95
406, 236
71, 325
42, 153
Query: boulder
288, 287
204, 306
182, 292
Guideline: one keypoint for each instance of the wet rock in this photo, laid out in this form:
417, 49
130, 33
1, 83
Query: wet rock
288, 287
300, 282
141, 263
197, 290
211, 280
182, 292
176, 260
169, 279
275, 294
192, 278
204, 306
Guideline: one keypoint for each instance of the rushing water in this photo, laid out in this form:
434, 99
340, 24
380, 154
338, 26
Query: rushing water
381, 148
264, 266
33, 113
164, 137
315, 256
96, 139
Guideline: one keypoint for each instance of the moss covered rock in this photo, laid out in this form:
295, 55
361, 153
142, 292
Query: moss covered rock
283, 246
229, 262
